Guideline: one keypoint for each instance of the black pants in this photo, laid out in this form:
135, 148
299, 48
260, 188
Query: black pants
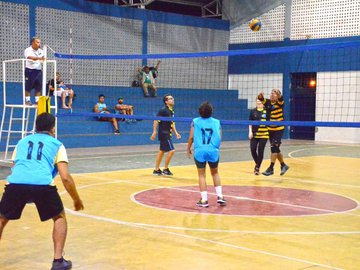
257, 147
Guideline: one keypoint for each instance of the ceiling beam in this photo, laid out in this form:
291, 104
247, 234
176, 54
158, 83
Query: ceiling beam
182, 2
212, 9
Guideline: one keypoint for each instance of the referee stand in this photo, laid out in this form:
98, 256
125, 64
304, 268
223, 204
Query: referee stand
18, 119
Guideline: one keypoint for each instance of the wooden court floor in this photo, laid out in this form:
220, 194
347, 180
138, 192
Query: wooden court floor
306, 219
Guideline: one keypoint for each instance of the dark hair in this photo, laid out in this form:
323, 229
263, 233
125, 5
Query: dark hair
205, 110
34, 38
165, 98
45, 122
101, 95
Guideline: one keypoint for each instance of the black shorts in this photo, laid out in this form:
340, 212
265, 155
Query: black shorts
202, 165
16, 196
275, 136
33, 79
166, 145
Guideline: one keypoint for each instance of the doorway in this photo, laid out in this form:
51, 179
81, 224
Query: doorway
302, 104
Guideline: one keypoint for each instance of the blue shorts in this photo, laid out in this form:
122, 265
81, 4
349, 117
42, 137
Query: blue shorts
33, 79
203, 156
166, 145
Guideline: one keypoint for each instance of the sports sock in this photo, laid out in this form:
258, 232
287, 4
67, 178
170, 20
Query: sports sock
218, 190
271, 165
204, 196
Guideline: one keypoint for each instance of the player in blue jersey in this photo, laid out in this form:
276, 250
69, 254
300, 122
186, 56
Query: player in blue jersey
205, 133
37, 159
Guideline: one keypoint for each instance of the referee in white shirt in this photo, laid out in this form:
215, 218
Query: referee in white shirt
33, 70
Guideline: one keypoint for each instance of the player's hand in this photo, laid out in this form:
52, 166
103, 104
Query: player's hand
178, 136
189, 153
78, 205
153, 136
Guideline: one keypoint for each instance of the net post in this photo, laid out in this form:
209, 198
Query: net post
43, 90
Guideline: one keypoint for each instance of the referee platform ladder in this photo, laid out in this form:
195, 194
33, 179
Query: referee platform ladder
21, 122
18, 119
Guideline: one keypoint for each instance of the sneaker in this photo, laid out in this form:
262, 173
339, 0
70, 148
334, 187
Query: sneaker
284, 169
167, 172
202, 203
268, 172
117, 132
157, 172
221, 201
256, 171
28, 103
64, 265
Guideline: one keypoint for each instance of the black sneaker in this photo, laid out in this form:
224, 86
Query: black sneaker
256, 171
268, 172
64, 265
202, 203
221, 201
117, 132
167, 172
284, 169
157, 172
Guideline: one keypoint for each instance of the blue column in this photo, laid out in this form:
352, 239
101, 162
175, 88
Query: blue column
145, 39
32, 20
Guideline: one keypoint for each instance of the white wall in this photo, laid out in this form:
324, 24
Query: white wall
337, 100
250, 85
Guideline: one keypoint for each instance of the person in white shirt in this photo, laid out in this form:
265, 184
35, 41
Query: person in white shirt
33, 69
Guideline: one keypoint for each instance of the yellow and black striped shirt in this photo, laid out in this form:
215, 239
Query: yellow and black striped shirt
276, 112
259, 132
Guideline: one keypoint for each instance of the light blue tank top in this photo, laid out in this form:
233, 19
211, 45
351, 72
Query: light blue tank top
206, 133
101, 106
34, 160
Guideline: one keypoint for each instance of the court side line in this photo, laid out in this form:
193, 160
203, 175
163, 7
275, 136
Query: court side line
203, 240
154, 153
139, 154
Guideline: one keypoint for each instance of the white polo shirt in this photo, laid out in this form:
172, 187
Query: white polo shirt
31, 52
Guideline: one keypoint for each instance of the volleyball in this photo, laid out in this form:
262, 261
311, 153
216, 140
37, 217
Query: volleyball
255, 25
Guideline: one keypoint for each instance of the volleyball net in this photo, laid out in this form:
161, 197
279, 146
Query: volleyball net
330, 73
320, 84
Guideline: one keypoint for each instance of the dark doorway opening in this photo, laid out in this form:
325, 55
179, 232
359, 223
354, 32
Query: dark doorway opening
302, 104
